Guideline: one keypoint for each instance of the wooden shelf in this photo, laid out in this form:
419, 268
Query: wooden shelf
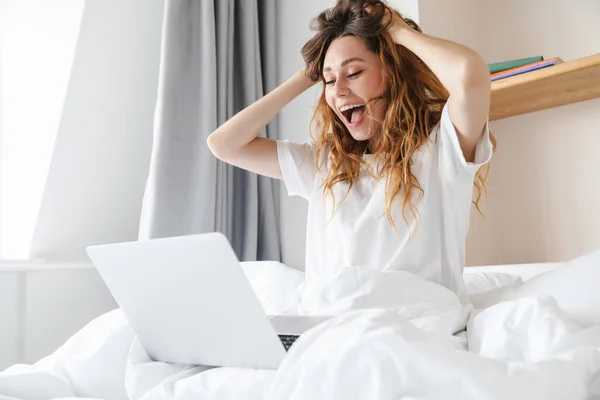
565, 83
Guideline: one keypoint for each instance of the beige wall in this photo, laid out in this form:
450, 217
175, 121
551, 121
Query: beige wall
544, 191
457, 20
544, 185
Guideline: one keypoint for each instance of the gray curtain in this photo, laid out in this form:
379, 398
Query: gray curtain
217, 57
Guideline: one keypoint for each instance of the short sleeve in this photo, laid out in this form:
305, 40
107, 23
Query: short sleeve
297, 164
451, 155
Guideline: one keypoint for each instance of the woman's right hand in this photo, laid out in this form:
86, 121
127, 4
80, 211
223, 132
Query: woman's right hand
304, 72
236, 141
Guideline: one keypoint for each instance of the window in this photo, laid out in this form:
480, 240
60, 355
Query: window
37, 46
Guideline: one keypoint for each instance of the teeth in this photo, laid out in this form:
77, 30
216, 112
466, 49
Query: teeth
348, 107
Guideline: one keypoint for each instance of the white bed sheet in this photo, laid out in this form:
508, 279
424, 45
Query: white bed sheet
525, 271
403, 351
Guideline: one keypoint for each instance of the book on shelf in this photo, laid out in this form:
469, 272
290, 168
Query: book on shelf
506, 65
526, 68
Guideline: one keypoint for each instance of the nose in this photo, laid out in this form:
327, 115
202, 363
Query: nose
341, 88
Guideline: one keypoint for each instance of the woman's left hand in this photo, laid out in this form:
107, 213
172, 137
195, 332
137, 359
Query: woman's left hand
397, 24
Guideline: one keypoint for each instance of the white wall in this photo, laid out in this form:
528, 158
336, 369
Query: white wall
41, 306
102, 153
408, 8
544, 186
293, 121
37, 44
10, 350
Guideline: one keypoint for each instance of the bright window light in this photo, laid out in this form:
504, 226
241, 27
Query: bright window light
37, 45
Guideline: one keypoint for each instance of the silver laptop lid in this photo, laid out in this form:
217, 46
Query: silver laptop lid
189, 301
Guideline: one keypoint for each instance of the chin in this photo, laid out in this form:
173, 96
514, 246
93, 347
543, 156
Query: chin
360, 136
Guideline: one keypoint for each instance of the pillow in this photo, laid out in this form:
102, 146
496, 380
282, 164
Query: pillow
480, 282
575, 286
273, 282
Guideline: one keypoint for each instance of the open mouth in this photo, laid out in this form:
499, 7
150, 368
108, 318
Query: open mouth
353, 114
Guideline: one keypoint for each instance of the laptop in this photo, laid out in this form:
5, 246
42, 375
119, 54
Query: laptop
189, 301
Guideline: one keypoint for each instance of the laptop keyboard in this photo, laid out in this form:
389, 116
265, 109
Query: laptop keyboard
288, 340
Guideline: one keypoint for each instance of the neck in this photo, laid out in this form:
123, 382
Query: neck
372, 146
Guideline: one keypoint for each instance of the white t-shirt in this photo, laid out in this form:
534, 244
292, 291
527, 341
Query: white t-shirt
360, 236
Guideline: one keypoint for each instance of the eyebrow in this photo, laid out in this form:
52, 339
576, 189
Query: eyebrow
348, 61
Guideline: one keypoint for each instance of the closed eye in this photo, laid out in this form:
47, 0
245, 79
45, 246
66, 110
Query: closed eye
354, 75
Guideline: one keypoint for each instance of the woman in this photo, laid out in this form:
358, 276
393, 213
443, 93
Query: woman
390, 172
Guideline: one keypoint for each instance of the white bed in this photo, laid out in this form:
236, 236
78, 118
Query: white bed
540, 341
525, 271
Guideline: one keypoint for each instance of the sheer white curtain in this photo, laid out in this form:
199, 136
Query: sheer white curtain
37, 44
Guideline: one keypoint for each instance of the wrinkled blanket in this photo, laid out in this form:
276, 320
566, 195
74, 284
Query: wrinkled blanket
403, 338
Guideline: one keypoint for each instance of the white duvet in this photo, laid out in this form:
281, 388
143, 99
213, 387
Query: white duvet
397, 340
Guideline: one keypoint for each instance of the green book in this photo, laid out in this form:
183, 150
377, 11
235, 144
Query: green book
504, 65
